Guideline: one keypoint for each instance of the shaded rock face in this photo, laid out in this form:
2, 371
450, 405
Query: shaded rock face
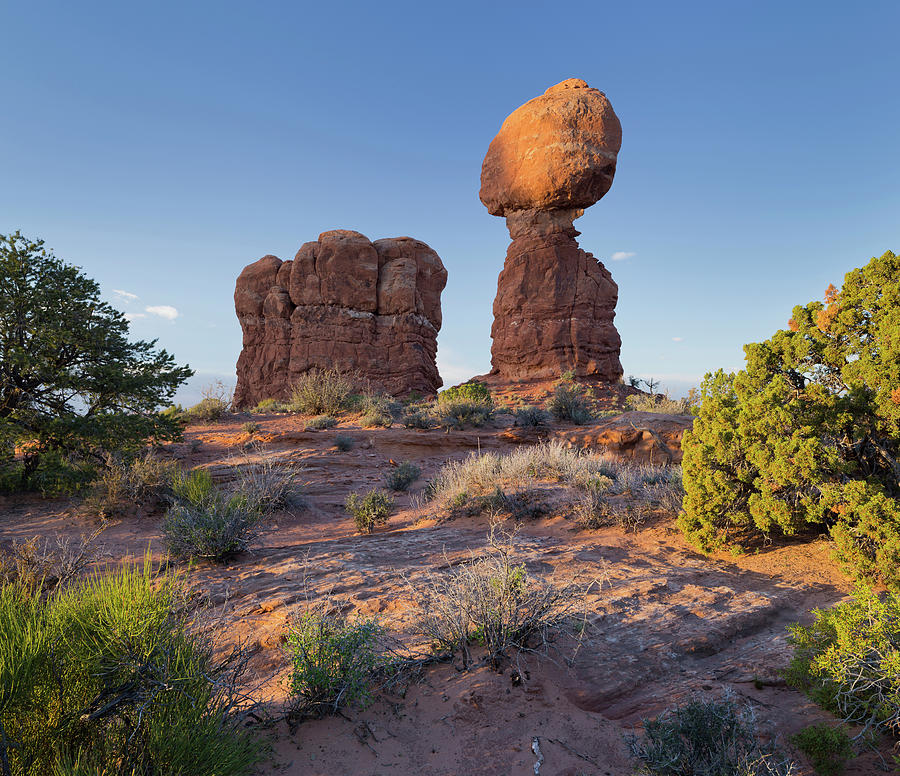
343, 302
555, 304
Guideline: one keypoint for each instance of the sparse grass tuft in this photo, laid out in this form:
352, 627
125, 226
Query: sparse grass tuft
531, 417
269, 485
571, 402
269, 405
370, 510
251, 428
343, 442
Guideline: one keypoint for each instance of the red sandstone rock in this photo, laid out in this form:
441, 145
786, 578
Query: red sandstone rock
557, 151
344, 303
555, 303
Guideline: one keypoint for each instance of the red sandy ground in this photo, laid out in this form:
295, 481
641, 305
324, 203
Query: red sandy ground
666, 621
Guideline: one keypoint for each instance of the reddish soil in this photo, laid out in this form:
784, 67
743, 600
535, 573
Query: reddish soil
664, 621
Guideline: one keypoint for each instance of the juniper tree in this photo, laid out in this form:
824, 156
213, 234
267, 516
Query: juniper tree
807, 436
71, 382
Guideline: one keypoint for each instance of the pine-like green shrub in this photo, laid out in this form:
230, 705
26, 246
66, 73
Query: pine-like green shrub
807, 436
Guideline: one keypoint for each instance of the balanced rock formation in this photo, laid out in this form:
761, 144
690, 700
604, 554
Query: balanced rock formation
555, 304
343, 302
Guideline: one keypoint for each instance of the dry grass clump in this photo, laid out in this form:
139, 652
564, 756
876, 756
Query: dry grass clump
324, 392
144, 481
269, 485
321, 422
216, 402
605, 491
402, 476
494, 602
661, 403
44, 564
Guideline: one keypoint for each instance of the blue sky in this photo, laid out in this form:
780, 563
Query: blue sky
164, 146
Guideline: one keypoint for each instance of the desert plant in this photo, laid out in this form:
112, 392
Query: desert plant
333, 662
827, 747
215, 404
469, 404
369, 510
343, 442
848, 660
143, 481
215, 529
73, 388
808, 434
705, 738
661, 403
493, 601
416, 418
251, 428
45, 564
531, 417
375, 419
473, 391
403, 475
321, 422
268, 405
324, 392
110, 674
194, 488
269, 485
570, 401
594, 509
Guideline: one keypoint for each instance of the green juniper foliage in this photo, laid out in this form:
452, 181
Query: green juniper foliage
807, 436
827, 747
73, 388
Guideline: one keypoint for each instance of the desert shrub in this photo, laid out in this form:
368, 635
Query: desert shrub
251, 428
705, 738
333, 662
827, 747
44, 564
808, 434
269, 485
473, 392
848, 660
415, 418
269, 405
321, 422
206, 410
403, 475
204, 523
324, 392
143, 481
661, 403
458, 413
531, 417
109, 675
494, 602
370, 510
571, 401
375, 419
343, 442
523, 504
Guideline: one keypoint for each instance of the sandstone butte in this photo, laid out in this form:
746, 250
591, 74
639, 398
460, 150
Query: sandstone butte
553, 156
343, 302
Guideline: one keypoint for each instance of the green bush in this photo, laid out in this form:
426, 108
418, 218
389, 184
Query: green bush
324, 392
459, 413
808, 434
207, 410
369, 510
268, 405
109, 676
321, 422
705, 738
194, 488
827, 747
334, 662
848, 660
402, 476
571, 402
473, 392
375, 419
416, 418
251, 428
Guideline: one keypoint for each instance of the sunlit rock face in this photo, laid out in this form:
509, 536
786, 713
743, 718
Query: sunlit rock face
343, 302
555, 304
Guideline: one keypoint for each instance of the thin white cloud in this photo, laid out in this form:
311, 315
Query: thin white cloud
677, 339
622, 255
132, 316
163, 311
126, 295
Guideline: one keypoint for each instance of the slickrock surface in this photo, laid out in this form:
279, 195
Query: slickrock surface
555, 304
343, 302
